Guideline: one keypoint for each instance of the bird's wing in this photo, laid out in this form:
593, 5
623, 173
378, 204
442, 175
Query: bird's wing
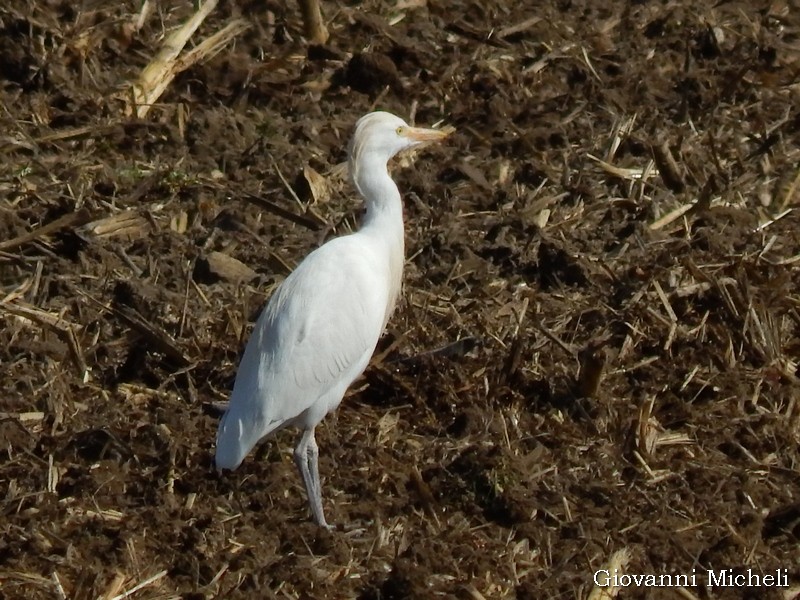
313, 338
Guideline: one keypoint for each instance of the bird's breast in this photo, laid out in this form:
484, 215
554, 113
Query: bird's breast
396, 260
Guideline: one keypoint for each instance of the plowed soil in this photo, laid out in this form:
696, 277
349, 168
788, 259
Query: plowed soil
596, 353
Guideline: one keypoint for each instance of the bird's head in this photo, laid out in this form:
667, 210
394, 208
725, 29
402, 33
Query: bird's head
380, 135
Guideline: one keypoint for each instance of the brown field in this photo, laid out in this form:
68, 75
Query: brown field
594, 361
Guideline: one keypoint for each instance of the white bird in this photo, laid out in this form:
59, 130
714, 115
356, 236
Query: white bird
320, 328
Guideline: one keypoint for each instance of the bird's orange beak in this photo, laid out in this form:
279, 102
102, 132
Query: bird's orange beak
420, 134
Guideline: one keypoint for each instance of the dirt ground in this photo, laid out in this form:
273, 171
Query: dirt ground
594, 363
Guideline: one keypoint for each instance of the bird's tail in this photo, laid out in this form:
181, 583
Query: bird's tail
230, 450
239, 431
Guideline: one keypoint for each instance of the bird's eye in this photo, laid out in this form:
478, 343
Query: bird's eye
399, 130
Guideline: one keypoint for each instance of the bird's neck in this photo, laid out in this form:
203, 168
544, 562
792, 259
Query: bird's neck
384, 219
384, 207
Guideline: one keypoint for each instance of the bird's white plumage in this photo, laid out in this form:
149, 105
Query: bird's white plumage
297, 353
319, 329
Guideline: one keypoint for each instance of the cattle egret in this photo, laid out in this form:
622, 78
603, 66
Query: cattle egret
321, 326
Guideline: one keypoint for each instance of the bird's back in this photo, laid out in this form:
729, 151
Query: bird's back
314, 337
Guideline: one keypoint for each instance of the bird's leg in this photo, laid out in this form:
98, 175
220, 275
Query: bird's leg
306, 457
